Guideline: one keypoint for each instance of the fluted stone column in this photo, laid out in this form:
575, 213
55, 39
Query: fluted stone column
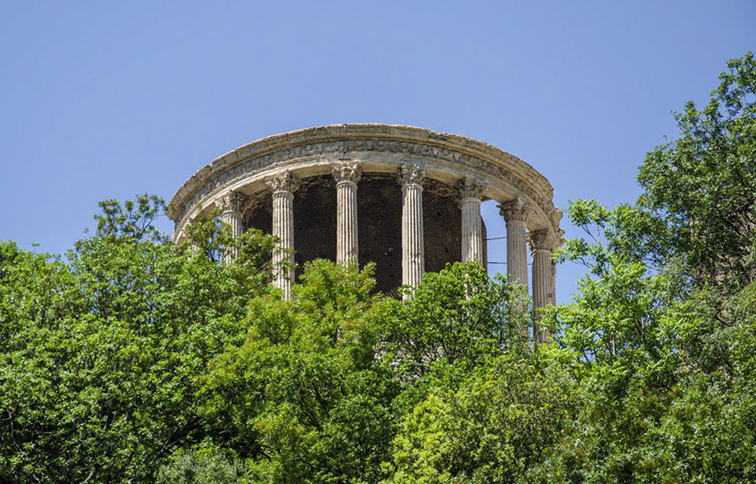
552, 292
472, 229
413, 241
542, 245
514, 213
283, 187
346, 174
556, 216
231, 213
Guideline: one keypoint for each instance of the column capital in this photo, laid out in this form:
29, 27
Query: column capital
283, 183
412, 174
470, 188
346, 172
515, 210
555, 216
546, 239
542, 240
231, 201
559, 239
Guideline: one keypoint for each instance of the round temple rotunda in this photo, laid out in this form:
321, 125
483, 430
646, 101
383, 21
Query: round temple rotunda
405, 198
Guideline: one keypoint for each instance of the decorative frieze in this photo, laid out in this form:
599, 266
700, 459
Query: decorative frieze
238, 169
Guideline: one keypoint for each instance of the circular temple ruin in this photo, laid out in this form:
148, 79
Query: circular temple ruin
405, 198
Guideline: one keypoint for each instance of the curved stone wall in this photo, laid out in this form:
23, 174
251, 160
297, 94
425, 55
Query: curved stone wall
408, 198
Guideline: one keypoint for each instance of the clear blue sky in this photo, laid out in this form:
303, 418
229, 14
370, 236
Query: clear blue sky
104, 100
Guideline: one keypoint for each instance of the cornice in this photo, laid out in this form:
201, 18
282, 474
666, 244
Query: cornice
336, 140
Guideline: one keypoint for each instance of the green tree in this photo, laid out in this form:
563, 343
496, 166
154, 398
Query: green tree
702, 184
658, 330
458, 316
317, 390
304, 398
495, 429
100, 355
205, 464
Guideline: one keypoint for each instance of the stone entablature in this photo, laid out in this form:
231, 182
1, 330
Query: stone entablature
447, 158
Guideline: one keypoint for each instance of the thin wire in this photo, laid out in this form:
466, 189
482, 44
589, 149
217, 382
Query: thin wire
496, 262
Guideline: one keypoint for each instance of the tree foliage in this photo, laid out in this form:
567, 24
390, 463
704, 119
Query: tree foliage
136, 361
100, 354
702, 185
659, 327
304, 398
132, 360
495, 428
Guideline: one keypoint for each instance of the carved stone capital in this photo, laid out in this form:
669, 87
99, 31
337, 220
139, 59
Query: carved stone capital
412, 174
541, 240
514, 210
555, 216
559, 238
470, 188
283, 183
346, 172
545, 239
231, 201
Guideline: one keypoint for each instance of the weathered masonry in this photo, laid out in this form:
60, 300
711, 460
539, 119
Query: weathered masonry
406, 198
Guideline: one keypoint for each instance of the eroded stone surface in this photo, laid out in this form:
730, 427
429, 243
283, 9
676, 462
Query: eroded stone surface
287, 185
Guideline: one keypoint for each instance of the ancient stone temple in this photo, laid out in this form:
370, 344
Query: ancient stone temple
406, 198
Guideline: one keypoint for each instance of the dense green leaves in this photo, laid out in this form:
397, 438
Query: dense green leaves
100, 355
304, 398
136, 361
495, 429
703, 184
458, 317
662, 332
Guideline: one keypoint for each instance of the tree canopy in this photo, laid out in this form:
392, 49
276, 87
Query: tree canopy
132, 360
660, 325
